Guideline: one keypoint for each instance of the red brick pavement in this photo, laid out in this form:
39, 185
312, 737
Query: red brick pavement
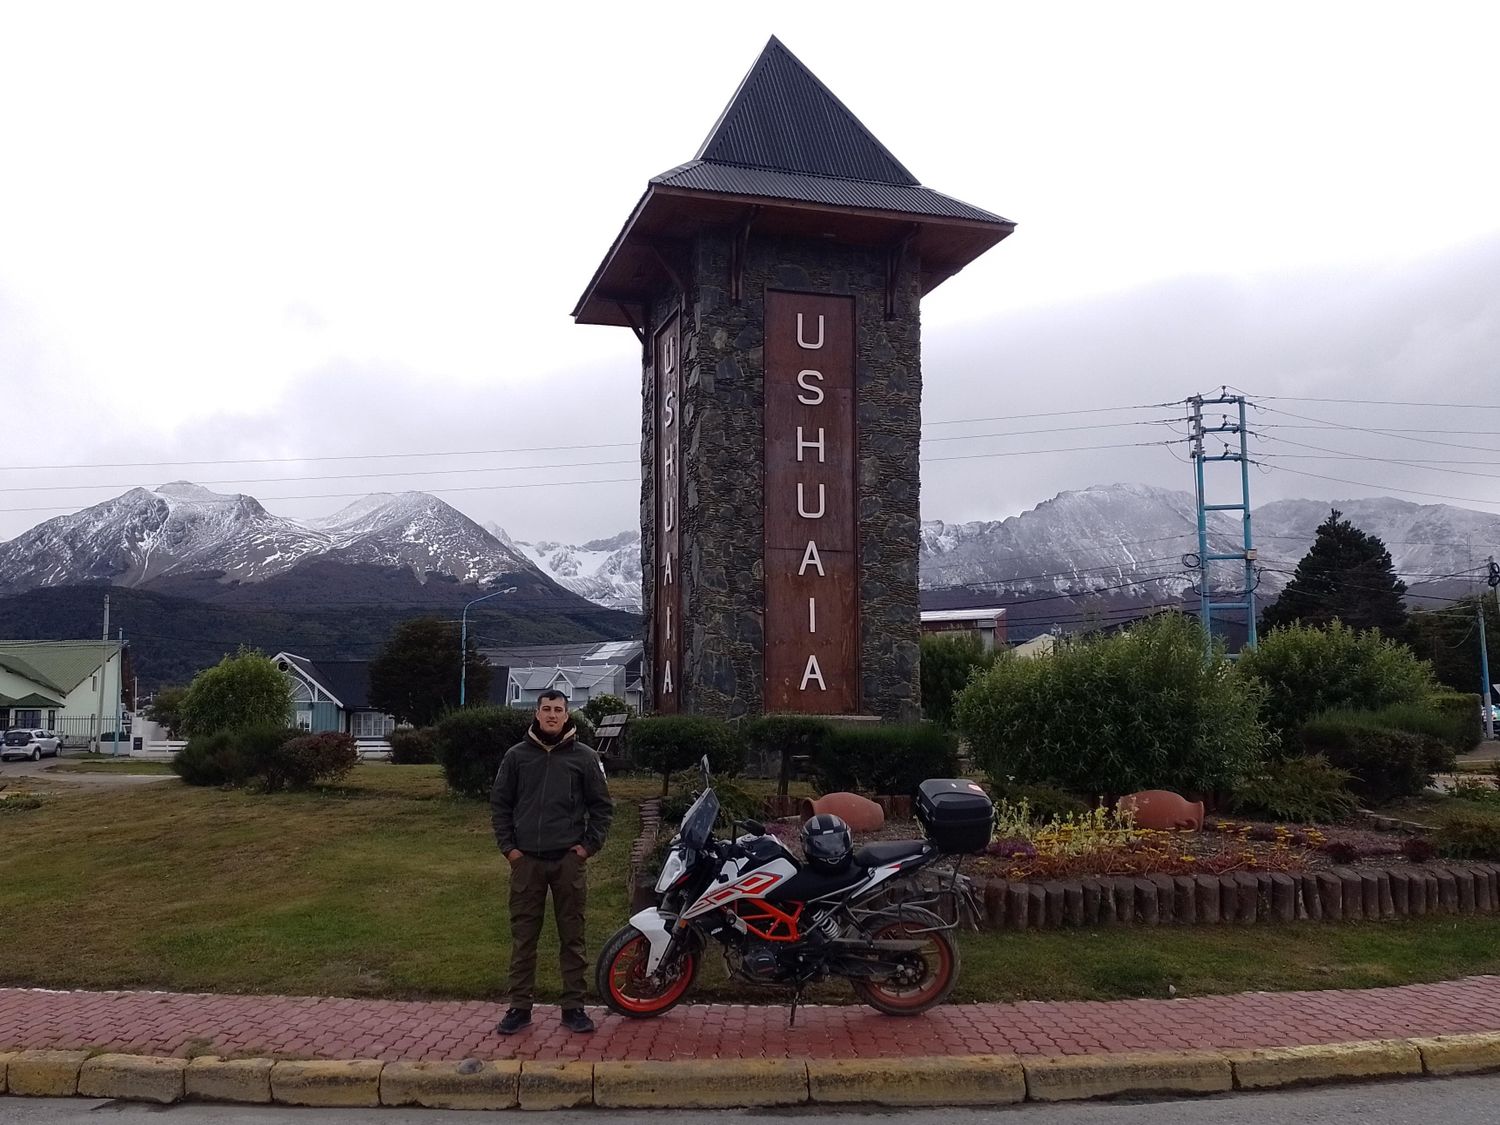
319, 1027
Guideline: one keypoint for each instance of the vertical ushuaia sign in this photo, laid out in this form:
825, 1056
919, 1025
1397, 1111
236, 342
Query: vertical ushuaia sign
668, 623
811, 563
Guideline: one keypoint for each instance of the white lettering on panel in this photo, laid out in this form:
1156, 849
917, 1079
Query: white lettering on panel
803, 443
802, 503
801, 340
813, 672
816, 393
810, 557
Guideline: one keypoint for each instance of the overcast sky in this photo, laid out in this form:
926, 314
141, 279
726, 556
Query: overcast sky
312, 229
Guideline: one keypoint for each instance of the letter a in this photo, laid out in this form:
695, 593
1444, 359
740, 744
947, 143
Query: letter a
810, 557
666, 577
801, 342
802, 503
666, 679
813, 672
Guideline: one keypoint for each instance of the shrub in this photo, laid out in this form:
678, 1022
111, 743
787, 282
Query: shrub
470, 743
1385, 763
211, 759
1043, 802
1307, 670
600, 705
1116, 714
1465, 711
885, 758
1466, 836
735, 802
584, 728
303, 761
949, 661
780, 738
1300, 790
665, 744
244, 690
412, 747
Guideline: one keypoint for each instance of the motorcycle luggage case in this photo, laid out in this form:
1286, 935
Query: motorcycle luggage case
956, 814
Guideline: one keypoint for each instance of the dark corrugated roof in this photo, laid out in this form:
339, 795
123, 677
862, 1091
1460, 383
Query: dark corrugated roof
347, 679
783, 118
914, 200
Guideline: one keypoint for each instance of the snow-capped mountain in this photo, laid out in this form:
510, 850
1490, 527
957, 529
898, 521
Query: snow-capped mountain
1110, 535
181, 529
417, 531
143, 535
606, 571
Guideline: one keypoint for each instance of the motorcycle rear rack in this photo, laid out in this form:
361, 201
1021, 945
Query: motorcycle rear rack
958, 894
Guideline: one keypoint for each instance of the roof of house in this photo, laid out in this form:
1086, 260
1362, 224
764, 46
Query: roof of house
789, 157
980, 613
347, 682
56, 665
536, 679
565, 655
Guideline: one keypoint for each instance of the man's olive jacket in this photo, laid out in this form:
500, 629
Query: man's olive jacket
544, 801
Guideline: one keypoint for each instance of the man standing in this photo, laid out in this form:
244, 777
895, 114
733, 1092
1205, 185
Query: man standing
551, 811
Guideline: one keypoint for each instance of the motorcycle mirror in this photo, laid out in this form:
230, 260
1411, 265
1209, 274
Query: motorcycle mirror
755, 828
703, 769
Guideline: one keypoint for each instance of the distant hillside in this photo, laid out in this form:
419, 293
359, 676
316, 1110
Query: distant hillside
173, 637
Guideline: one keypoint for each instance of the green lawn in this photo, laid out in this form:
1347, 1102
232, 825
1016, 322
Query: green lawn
386, 886
106, 764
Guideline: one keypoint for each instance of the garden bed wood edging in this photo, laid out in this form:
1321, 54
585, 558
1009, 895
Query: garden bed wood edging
1346, 894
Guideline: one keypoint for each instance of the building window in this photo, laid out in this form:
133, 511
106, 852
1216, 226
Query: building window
372, 724
28, 718
515, 692
51, 720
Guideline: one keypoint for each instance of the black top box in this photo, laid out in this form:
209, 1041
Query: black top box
957, 814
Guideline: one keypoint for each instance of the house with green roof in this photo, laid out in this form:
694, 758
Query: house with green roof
60, 685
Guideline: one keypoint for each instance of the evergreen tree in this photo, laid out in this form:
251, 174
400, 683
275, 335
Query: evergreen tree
415, 677
1346, 576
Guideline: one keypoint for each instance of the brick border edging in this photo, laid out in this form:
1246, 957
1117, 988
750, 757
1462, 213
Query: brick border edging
717, 1083
650, 829
1243, 898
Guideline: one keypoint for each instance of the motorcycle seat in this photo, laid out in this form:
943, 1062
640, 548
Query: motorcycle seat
892, 851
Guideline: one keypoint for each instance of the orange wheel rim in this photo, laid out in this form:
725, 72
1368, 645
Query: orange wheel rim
634, 990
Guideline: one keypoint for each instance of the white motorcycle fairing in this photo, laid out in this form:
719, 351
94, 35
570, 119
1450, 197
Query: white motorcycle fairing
653, 926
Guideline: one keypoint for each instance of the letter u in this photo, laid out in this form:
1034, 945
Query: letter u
801, 342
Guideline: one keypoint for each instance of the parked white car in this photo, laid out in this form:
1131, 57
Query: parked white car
28, 742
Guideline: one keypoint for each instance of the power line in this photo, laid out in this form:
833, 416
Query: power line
1382, 402
1343, 455
1373, 430
1386, 487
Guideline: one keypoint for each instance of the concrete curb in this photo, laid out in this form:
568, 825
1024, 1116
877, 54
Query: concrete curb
960, 1080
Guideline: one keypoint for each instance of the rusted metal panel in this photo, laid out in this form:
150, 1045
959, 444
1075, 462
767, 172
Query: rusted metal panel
811, 526
667, 626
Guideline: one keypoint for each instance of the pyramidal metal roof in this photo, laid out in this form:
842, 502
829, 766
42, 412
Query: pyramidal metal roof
783, 119
790, 157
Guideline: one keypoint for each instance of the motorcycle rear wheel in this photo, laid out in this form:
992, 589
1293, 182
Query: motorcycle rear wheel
927, 976
621, 979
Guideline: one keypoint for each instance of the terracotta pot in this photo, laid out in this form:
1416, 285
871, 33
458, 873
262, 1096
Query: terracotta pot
860, 813
1163, 809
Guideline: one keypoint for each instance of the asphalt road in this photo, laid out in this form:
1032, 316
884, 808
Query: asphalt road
1451, 1101
16, 773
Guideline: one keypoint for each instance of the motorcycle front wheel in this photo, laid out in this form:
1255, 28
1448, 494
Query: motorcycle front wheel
624, 984
924, 977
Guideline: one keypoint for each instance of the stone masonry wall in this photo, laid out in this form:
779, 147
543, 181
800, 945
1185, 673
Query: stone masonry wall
723, 449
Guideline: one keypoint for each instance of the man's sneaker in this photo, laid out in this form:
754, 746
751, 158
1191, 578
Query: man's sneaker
514, 1020
576, 1019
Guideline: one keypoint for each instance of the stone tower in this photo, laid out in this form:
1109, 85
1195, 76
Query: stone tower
775, 282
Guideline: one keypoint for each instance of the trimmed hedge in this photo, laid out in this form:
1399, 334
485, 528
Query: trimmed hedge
667, 744
949, 661
888, 758
781, 738
412, 747
1385, 763
470, 743
1466, 711
272, 757
1300, 790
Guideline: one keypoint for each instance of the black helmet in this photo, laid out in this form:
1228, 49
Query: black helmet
827, 843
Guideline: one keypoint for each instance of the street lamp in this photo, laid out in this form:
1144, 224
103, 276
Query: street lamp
463, 643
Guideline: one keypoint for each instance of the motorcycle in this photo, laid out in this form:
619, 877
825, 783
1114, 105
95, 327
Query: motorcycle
779, 921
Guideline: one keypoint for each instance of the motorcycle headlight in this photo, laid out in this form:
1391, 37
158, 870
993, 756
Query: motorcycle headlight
673, 871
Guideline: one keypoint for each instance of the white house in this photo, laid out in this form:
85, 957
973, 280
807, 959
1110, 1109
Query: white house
63, 686
525, 685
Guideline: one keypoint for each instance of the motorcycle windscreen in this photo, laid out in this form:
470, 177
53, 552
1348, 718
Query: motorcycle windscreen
698, 821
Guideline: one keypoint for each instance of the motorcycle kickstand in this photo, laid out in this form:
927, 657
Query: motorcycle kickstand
796, 999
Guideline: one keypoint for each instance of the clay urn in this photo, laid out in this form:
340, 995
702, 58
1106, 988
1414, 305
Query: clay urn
860, 813
1163, 809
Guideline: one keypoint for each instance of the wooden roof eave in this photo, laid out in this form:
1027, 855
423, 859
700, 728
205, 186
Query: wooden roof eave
602, 303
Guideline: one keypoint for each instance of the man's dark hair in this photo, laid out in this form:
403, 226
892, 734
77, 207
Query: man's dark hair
550, 693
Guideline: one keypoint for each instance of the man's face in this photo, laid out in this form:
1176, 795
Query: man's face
552, 715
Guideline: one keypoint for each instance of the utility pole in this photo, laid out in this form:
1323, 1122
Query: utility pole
1484, 652
103, 667
1205, 559
119, 686
463, 643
